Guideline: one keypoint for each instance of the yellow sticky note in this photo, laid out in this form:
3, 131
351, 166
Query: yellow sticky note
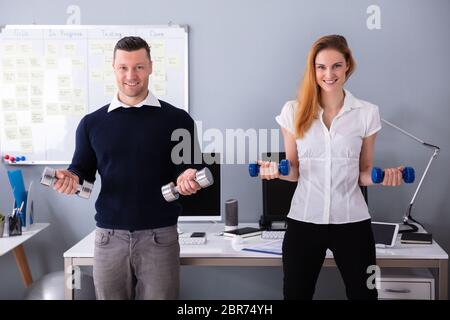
25, 132
8, 77
69, 49
35, 103
22, 91
95, 47
35, 62
10, 119
64, 81
173, 61
158, 48
36, 77
96, 75
64, 94
110, 89
22, 104
26, 146
77, 63
36, 89
51, 63
11, 133
37, 116
8, 63
9, 49
22, 76
66, 109
52, 49
52, 108
24, 48
159, 88
78, 94
22, 63
79, 109
8, 104
108, 48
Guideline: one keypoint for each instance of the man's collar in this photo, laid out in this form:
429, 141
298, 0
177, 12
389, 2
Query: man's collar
150, 100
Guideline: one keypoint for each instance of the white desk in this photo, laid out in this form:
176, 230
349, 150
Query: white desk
15, 244
219, 251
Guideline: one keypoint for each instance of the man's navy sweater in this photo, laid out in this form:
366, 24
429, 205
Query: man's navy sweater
131, 149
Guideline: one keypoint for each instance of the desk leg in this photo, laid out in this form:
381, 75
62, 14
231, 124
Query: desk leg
22, 264
443, 279
68, 278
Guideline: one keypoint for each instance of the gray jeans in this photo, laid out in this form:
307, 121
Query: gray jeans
143, 264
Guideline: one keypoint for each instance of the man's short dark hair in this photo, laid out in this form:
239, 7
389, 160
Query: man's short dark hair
132, 44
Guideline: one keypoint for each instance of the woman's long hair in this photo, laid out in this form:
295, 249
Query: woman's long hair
309, 92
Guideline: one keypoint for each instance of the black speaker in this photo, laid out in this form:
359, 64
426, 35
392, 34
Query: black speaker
231, 214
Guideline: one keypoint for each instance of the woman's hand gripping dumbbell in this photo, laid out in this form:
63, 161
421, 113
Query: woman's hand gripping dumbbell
189, 182
269, 170
393, 176
66, 182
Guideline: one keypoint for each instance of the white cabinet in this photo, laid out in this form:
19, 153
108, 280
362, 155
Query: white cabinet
406, 284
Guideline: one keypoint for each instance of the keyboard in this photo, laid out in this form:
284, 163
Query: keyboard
190, 241
271, 234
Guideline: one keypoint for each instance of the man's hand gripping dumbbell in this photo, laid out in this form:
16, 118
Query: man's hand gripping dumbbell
189, 182
66, 182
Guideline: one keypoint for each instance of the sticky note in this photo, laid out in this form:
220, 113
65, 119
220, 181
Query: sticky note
64, 81
8, 104
35, 103
25, 132
110, 89
96, 75
52, 108
52, 49
22, 104
173, 61
69, 49
26, 146
8, 77
11, 133
36, 89
95, 47
10, 119
37, 116
66, 109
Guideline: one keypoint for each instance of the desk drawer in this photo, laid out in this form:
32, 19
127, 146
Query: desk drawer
405, 290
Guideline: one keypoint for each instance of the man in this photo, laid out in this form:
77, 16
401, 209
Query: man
129, 143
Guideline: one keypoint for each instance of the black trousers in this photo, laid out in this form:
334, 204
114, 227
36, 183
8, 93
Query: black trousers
304, 249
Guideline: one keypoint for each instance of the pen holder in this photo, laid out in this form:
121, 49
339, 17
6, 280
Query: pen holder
15, 226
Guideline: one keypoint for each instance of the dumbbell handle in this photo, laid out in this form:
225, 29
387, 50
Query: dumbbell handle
203, 177
49, 177
283, 167
408, 175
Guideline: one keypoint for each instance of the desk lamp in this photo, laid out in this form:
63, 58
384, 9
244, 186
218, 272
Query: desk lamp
407, 226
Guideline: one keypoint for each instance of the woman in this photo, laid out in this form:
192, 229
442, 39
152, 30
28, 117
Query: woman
329, 137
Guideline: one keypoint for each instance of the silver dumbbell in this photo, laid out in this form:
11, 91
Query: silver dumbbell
203, 177
49, 177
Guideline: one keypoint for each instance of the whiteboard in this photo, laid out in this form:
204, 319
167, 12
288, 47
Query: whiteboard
51, 76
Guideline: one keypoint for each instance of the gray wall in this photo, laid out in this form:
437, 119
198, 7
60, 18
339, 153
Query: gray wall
246, 59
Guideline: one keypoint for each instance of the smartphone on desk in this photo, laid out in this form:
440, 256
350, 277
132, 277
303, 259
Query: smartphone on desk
198, 234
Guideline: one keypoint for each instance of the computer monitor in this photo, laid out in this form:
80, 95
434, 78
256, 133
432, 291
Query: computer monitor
205, 205
277, 195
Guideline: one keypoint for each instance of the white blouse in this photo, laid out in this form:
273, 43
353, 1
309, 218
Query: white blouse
328, 191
